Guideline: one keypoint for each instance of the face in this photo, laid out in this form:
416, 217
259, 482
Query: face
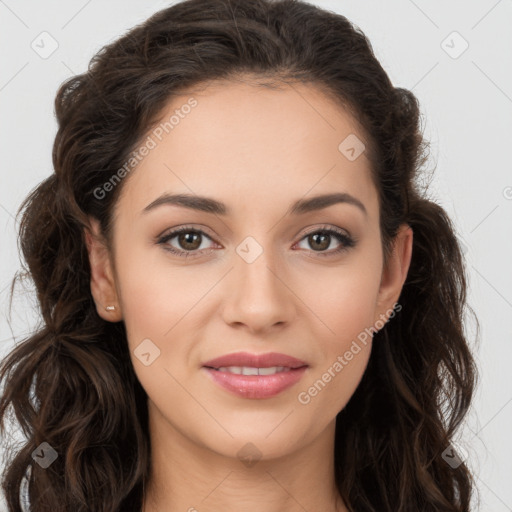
250, 271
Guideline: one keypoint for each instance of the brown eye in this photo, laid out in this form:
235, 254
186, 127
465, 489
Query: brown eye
189, 240
320, 240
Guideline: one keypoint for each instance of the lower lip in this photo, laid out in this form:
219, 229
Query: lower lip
257, 386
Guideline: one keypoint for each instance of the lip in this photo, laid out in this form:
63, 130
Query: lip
255, 360
256, 386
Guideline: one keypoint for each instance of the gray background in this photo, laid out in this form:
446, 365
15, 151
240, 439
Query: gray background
466, 103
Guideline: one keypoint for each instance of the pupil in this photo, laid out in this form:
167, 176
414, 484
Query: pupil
187, 240
325, 240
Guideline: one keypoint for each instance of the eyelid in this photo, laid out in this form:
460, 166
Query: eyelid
173, 232
323, 227
347, 242
205, 230
192, 227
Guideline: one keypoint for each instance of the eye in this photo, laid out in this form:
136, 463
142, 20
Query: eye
189, 241
320, 240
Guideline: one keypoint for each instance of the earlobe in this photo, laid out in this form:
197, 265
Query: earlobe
395, 272
103, 287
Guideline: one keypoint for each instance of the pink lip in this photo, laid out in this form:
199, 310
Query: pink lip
256, 386
255, 360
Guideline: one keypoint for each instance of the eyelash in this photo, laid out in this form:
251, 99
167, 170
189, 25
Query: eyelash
346, 242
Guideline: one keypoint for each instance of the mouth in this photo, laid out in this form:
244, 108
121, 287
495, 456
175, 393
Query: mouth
246, 360
255, 376
247, 370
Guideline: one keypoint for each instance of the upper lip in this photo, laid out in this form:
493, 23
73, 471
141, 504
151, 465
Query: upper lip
246, 359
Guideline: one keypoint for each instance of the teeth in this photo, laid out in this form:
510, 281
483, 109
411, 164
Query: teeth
270, 371
246, 370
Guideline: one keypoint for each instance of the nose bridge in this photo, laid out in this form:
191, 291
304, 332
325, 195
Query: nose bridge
258, 298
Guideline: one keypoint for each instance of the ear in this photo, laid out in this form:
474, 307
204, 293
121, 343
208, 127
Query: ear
394, 272
103, 287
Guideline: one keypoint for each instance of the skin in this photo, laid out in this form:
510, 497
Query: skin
257, 150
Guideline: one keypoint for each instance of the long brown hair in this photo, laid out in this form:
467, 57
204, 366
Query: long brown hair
71, 384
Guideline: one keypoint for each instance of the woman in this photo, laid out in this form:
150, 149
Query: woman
248, 302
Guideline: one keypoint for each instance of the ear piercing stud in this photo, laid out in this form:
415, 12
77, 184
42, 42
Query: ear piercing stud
110, 308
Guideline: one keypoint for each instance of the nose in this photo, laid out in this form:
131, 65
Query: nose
258, 298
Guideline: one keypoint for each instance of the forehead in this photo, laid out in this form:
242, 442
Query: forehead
247, 142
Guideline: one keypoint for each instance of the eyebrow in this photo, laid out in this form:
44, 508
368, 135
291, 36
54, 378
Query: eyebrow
209, 205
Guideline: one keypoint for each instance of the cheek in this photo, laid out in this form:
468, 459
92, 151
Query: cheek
344, 302
345, 307
158, 304
330, 388
345, 348
155, 296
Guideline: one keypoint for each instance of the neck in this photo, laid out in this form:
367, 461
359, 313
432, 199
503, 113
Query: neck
190, 477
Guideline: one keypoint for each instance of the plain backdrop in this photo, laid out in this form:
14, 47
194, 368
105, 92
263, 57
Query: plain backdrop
455, 56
